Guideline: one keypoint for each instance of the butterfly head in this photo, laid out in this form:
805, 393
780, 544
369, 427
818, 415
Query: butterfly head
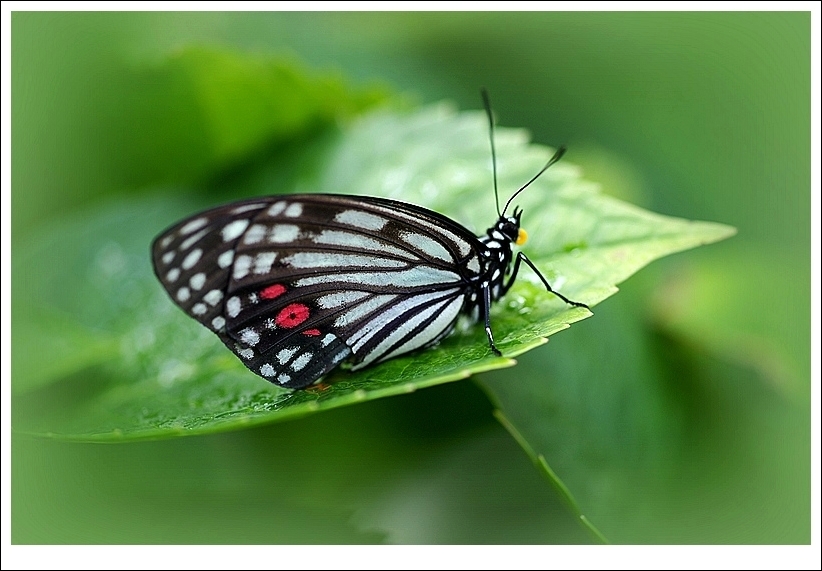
508, 228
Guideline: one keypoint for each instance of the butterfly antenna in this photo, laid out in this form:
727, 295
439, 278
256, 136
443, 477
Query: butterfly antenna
555, 158
487, 101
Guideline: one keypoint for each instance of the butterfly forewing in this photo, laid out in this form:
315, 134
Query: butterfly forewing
194, 259
295, 285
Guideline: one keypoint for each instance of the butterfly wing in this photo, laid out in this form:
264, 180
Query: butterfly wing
302, 282
194, 259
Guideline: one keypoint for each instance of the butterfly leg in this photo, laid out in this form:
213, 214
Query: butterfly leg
486, 305
317, 388
523, 258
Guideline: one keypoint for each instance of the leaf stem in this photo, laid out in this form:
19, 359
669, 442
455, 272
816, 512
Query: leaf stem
540, 462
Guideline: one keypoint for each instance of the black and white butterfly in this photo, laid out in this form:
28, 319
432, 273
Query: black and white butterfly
296, 284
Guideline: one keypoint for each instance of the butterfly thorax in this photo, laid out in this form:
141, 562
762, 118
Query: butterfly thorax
495, 260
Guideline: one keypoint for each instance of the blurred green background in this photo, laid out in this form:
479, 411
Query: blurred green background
704, 356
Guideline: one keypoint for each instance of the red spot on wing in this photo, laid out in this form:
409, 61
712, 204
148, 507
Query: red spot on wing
312, 332
272, 291
292, 315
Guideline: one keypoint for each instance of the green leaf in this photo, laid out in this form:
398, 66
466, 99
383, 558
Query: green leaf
172, 377
596, 412
239, 488
72, 347
654, 442
103, 121
202, 109
477, 489
542, 465
423, 469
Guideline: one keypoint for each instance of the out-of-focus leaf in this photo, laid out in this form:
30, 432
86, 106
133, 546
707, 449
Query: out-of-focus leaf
594, 412
354, 474
173, 377
646, 434
174, 493
71, 347
542, 465
476, 490
118, 121
751, 307
204, 109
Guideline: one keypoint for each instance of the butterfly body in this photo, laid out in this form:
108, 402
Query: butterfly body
296, 284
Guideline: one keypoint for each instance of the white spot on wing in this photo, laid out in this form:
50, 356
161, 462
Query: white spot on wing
283, 379
254, 234
446, 316
362, 310
360, 219
246, 353
285, 354
193, 225
294, 210
246, 208
341, 355
352, 240
233, 230
414, 277
167, 240
300, 362
381, 320
249, 336
233, 306
242, 266
333, 260
199, 309
225, 259
183, 294
218, 322
427, 245
328, 339
462, 245
267, 370
277, 207
213, 297
168, 256
338, 299
263, 262
173, 274
197, 280
192, 258
188, 242
281, 233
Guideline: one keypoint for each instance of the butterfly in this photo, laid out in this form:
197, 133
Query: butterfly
295, 285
